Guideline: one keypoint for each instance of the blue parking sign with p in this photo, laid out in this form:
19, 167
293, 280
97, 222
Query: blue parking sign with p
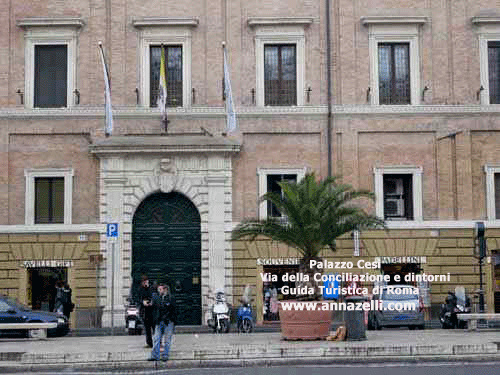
112, 230
331, 287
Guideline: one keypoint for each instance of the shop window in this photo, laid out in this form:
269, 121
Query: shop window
276, 291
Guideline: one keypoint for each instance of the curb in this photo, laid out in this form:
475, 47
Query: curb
183, 364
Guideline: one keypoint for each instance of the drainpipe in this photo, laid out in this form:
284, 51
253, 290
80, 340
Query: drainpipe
329, 88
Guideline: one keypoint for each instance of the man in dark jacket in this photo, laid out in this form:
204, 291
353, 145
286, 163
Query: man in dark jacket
144, 301
165, 320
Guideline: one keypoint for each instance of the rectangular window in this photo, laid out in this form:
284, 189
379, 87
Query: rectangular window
173, 61
398, 197
497, 196
272, 186
49, 200
280, 74
394, 73
494, 71
51, 76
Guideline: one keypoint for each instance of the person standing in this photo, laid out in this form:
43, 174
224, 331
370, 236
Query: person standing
165, 320
59, 301
145, 301
68, 305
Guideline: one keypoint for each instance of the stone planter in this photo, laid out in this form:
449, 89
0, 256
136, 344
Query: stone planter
304, 324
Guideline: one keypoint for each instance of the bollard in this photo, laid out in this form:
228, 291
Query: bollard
355, 321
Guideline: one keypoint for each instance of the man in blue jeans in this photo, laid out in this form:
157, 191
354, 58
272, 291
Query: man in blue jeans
164, 319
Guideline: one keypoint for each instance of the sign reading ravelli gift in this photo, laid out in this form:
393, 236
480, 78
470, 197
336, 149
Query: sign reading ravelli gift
43, 263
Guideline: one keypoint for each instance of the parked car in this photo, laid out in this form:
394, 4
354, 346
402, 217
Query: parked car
405, 294
12, 311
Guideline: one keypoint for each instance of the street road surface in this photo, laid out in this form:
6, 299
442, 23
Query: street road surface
452, 368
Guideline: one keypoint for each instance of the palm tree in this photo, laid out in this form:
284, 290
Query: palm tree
314, 214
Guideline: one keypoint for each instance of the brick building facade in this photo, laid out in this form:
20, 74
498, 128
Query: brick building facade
413, 117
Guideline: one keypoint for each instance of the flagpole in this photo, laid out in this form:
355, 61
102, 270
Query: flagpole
107, 94
163, 88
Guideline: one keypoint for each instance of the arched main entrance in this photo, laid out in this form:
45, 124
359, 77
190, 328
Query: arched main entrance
166, 246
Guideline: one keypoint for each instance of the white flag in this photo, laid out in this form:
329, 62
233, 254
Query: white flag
108, 109
231, 115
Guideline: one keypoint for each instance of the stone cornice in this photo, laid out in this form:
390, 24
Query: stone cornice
163, 144
165, 21
53, 228
481, 20
134, 113
51, 22
391, 20
279, 21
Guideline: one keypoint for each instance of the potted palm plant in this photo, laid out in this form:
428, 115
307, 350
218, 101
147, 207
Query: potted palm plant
314, 214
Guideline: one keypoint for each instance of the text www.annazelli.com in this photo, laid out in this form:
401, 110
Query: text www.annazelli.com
349, 306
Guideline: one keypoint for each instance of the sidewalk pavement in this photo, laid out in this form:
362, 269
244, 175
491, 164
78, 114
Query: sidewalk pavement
221, 350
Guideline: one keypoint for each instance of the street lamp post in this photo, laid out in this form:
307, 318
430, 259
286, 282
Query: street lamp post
481, 253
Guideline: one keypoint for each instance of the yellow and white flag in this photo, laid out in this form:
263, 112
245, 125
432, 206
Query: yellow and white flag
162, 95
107, 94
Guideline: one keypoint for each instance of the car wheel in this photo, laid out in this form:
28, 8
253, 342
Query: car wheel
422, 326
246, 326
412, 328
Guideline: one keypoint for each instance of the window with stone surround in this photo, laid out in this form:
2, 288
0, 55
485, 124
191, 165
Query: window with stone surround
492, 191
268, 179
394, 59
488, 31
48, 196
398, 193
280, 60
175, 35
50, 61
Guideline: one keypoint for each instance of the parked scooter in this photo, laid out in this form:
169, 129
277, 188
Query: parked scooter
245, 313
220, 319
133, 320
456, 303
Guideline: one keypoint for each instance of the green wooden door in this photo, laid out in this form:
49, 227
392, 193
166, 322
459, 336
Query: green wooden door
166, 246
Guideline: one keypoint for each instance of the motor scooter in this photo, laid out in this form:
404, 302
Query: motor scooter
220, 319
133, 320
456, 303
245, 313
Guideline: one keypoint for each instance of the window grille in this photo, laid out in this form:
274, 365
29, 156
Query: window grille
494, 71
394, 73
173, 61
280, 74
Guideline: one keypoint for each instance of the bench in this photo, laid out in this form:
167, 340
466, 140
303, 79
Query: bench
474, 317
35, 330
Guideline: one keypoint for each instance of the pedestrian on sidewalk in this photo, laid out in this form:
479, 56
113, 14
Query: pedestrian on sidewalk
145, 303
68, 305
164, 319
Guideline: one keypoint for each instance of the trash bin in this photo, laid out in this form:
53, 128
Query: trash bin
355, 321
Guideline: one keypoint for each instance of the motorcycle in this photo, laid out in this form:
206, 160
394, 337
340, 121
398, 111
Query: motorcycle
220, 319
245, 313
456, 303
133, 320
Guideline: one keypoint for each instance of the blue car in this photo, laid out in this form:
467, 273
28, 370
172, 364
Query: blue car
12, 311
